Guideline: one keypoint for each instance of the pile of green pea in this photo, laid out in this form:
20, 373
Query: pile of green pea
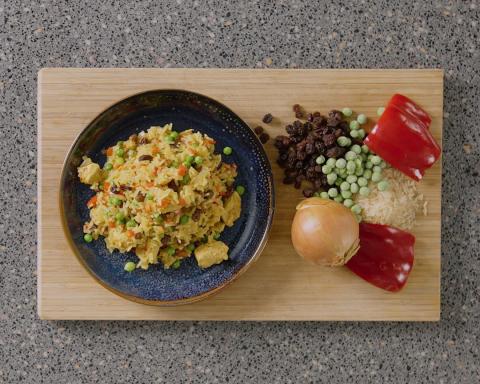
351, 174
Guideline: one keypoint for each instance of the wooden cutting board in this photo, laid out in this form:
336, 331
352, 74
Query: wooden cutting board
280, 286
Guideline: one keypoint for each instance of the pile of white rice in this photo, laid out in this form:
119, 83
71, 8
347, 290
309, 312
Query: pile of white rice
396, 206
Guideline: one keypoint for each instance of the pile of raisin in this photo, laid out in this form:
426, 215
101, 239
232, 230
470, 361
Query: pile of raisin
305, 142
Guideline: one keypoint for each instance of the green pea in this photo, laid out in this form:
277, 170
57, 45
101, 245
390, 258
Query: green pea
367, 174
362, 182
354, 125
331, 178
331, 162
120, 160
240, 190
120, 152
316, 194
376, 160
227, 151
324, 195
158, 218
338, 182
198, 160
377, 169
332, 192
348, 203
359, 172
376, 177
170, 250
343, 141
383, 164
216, 236
357, 209
350, 155
188, 161
345, 186
365, 149
176, 264
129, 267
174, 164
383, 185
351, 165
356, 149
131, 223
341, 163
338, 199
119, 216
354, 188
342, 172
361, 118
363, 156
115, 201
347, 112
346, 194
380, 111
88, 238
358, 162
354, 133
364, 191
108, 166
184, 219
190, 248
326, 169
186, 179
174, 135
368, 164
361, 133
149, 196
351, 179
320, 160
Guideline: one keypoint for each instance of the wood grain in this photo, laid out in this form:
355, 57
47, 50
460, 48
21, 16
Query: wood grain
280, 286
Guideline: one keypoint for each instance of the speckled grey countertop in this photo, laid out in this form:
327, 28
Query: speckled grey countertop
283, 34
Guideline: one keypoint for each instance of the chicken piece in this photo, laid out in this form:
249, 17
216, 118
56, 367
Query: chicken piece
232, 208
89, 172
211, 253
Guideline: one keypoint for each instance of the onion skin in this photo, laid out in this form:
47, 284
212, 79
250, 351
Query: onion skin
325, 232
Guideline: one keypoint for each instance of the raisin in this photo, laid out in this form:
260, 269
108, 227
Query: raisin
299, 115
173, 185
267, 119
296, 108
143, 140
264, 137
196, 214
307, 192
329, 139
335, 152
140, 197
258, 130
145, 158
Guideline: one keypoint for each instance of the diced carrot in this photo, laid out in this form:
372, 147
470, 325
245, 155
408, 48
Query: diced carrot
155, 150
111, 224
182, 202
149, 184
165, 202
182, 170
110, 151
148, 208
181, 253
106, 186
92, 202
130, 233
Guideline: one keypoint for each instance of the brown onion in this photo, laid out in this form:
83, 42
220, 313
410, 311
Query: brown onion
325, 232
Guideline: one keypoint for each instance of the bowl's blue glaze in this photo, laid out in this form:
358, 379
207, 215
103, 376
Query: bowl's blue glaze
245, 239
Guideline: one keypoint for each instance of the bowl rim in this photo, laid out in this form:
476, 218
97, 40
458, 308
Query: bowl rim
187, 300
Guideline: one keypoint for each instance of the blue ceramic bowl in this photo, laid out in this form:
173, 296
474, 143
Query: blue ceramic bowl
245, 239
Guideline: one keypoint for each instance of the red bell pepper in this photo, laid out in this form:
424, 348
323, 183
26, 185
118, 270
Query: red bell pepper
402, 138
385, 257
